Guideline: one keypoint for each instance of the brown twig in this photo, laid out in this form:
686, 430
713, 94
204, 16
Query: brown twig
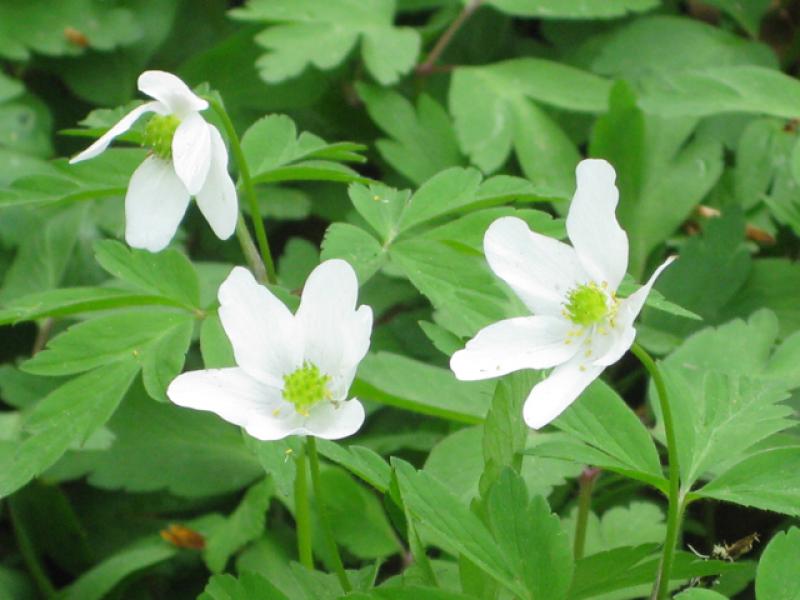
428, 67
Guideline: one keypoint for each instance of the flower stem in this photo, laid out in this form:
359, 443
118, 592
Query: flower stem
249, 188
675, 506
585, 487
322, 509
429, 66
302, 512
250, 251
26, 548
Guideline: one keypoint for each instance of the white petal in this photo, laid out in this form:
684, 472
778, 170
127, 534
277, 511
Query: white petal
217, 198
172, 92
537, 342
266, 340
230, 393
609, 348
154, 205
631, 306
335, 422
120, 127
600, 242
191, 151
337, 335
550, 397
539, 269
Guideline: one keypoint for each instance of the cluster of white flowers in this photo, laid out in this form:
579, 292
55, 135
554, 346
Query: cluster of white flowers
294, 372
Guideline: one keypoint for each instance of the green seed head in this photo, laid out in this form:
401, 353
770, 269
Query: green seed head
587, 305
305, 387
158, 134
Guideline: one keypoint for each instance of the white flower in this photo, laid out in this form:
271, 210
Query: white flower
579, 326
188, 159
294, 371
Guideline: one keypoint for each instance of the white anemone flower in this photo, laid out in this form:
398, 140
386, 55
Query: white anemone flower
294, 371
579, 326
188, 158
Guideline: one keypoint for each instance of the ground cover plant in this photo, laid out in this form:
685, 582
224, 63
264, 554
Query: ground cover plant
399, 299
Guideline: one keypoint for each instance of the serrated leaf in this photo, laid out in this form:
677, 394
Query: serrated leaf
447, 523
168, 273
107, 339
361, 461
596, 420
348, 242
247, 587
661, 172
423, 141
768, 480
776, 577
66, 416
493, 107
530, 536
245, 524
323, 36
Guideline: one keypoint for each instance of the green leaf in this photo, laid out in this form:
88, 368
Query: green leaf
163, 360
364, 253
214, 344
661, 172
275, 152
493, 107
634, 568
632, 525
747, 14
719, 254
769, 480
244, 525
37, 27
572, 9
700, 594
423, 141
161, 446
447, 523
308, 34
71, 301
247, 587
715, 90
595, 420
98, 582
650, 48
66, 416
168, 273
776, 577
408, 592
42, 258
723, 416
111, 338
457, 460
531, 538
360, 461
406, 383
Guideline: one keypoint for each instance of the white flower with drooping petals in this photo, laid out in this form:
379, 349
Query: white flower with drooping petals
294, 371
188, 158
579, 326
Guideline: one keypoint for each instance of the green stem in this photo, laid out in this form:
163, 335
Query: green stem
675, 507
250, 251
585, 487
26, 548
322, 509
249, 188
302, 512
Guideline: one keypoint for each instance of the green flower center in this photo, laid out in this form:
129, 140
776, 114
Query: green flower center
586, 305
305, 387
158, 134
